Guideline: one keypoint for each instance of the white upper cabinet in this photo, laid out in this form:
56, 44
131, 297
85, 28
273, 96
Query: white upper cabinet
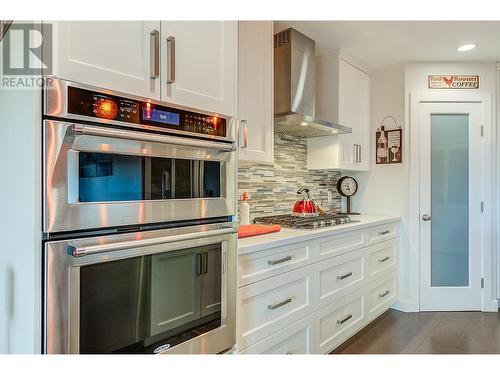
343, 96
116, 55
199, 64
189, 63
255, 88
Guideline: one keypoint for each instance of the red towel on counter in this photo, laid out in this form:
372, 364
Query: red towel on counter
256, 229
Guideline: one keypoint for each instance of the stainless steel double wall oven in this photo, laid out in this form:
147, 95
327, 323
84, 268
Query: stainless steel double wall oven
139, 219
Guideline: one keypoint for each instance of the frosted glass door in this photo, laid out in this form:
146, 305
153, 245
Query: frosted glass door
449, 200
450, 206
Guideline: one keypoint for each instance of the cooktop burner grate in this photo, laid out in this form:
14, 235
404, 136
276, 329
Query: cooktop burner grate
321, 221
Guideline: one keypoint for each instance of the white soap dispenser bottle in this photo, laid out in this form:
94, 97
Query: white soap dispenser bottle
244, 209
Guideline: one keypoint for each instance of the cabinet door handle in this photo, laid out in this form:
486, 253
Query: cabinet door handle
342, 321
345, 276
199, 264
279, 304
384, 259
205, 262
356, 150
154, 51
384, 232
384, 294
243, 133
171, 59
278, 261
165, 184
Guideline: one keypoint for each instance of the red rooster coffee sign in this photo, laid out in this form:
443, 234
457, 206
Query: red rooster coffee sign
460, 82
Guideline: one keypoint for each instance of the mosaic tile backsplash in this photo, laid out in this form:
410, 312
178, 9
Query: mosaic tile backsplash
273, 187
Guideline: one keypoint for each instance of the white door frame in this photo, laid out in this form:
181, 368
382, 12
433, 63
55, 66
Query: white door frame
488, 264
452, 298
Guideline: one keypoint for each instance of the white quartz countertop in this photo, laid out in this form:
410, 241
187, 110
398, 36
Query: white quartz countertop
288, 236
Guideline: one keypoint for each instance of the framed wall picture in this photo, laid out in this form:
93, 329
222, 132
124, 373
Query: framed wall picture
389, 146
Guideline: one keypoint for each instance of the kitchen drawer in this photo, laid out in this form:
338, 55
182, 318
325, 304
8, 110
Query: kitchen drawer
297, 338
382, 233
270, 305
381, 295
336, 277
381, 258
337, 322
331, 246
264, 264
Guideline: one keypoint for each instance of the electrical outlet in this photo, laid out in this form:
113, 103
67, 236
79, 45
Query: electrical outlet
329, 196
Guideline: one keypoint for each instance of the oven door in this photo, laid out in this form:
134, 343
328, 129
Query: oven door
98, 177
170, 290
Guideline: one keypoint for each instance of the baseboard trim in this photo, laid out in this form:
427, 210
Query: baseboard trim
491, 306
405, 306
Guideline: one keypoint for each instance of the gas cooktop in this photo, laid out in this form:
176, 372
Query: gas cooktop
321, 221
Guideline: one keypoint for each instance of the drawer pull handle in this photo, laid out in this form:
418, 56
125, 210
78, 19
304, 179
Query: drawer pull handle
278, 261
384, 259
279, 304
342, 321
384, 294
384, 232
345, 276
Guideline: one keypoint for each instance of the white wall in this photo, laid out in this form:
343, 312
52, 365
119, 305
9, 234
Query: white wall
496, 166
384, 189
20, 220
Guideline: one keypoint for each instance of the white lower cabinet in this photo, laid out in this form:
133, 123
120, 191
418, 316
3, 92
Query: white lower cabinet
267, 306
336, 245
381, 258
297, 338
339, 321
311, 296
336, 277
264, 264
382, 233
381, 295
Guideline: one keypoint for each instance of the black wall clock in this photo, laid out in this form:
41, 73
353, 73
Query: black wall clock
347, 186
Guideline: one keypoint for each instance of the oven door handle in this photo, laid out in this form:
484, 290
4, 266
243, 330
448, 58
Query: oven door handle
80, 251
81, 129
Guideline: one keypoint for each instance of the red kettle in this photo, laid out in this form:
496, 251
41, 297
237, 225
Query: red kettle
304, 207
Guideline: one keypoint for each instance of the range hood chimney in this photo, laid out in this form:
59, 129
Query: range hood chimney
295, 88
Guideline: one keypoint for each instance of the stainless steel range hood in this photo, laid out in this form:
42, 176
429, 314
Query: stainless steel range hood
295, 88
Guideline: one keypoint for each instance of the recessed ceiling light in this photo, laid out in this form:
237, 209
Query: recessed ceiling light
303, 123
335, 131
466, 47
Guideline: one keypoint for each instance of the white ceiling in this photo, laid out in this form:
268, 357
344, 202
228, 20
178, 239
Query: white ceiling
380, 43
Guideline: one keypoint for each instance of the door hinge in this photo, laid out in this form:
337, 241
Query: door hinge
482, 130
482, 206
482, 282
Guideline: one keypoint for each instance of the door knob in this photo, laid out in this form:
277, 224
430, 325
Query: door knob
426, 217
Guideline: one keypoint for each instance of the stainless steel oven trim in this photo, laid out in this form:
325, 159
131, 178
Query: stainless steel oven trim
62, 213
56, 105
79, 251
100, 131
62, 285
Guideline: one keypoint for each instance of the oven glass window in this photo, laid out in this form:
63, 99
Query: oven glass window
109, 177
150, 303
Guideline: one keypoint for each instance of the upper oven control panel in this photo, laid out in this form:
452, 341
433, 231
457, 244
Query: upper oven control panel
109, 107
